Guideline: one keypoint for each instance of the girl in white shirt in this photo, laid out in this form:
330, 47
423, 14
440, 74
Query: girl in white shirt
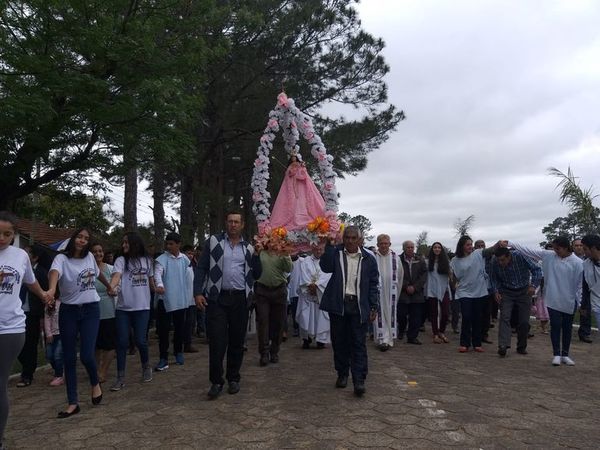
15, 270
134, 270
438, 291
468, 267
75, 272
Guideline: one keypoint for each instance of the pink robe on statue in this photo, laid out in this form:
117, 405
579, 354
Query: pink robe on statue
298, 202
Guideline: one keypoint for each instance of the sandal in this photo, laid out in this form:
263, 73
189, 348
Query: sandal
24, 383
444, 338
437, 340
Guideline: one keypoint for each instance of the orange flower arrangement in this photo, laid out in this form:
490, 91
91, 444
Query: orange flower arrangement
319, 225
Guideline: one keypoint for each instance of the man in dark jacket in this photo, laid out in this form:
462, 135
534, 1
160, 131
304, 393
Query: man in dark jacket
351, 298
412, 296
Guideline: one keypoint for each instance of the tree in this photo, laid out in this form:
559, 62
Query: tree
65, 209
579, 200
421, 243
462, 226
360, 221
80, 82
317, 49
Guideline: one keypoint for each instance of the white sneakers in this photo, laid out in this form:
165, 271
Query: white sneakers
557, 360
568, 361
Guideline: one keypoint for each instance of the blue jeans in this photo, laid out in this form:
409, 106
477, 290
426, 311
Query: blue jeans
54, 355
560, 322
472, 317
82, 320
138, 320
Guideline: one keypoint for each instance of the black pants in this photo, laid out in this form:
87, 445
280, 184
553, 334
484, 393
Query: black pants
190, 324
271, 311
349, 343
226, 321
163, 324
585, 318
409, 313
470, 328
29, 353
486, 315
455, 310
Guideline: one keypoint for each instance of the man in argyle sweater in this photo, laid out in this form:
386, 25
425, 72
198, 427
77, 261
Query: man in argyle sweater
223, 283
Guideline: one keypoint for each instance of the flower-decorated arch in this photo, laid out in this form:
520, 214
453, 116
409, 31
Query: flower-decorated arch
293, 124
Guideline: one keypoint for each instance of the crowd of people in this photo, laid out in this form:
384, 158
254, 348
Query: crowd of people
338, 294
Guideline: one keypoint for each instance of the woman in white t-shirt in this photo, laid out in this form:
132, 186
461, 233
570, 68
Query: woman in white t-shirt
15, 270
134, 270
468, 267
75, 272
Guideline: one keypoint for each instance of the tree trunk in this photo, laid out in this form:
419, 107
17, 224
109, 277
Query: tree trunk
187, 205
158, 194
130, 201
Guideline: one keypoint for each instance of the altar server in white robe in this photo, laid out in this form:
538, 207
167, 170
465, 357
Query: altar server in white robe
391, 274
313, 323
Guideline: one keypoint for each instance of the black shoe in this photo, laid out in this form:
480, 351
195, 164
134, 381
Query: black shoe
320, 345
96, 400
521, 351
264, 360
274, 358
414, 341
65, 414
295, 333
359, 389
502, 351
214, 391
401, 337
586, 339
305, 344
384, 347
341, 382
234, 387
455, 330
492, 325
422, 329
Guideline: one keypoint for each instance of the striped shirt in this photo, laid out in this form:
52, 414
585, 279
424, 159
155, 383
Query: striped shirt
518, 274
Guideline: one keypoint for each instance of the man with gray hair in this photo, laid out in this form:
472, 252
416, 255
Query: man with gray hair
412, 297
352, 299
391, 274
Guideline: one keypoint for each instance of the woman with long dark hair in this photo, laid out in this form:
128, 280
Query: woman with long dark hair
15, 271
134, 270
468, 267
438, 291
74, 272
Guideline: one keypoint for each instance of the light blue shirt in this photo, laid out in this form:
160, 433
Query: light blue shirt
234, 264
469, 272
563, 277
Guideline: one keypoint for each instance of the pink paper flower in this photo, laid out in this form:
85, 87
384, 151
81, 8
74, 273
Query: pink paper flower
273, 123
264, 138
329, 186
258, 162
321, 156
310, 135
257, 197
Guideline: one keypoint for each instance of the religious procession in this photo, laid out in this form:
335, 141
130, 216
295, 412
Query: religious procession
208, 214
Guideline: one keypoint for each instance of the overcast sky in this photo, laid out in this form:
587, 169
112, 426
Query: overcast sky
495, 92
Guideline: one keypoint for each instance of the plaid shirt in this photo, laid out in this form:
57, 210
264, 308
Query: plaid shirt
519, 274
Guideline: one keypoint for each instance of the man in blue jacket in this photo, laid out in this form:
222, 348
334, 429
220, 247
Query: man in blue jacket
352, 300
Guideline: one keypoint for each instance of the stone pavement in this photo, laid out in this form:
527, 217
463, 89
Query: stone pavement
427, 396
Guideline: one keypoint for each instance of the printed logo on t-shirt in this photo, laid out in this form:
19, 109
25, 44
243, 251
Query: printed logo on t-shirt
8, 277
86, 280
139, 277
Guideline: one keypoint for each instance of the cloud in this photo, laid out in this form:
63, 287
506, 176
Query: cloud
495, 93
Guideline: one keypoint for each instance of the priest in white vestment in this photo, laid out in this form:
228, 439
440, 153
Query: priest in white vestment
311, 282
391, 274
